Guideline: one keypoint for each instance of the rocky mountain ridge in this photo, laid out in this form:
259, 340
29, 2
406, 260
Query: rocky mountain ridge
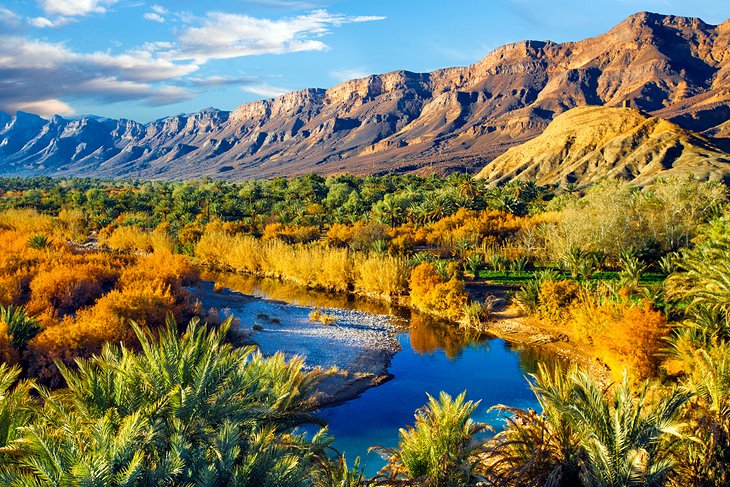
457, 118
586, 144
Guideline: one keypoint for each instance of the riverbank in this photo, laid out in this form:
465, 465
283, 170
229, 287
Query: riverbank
510, 323
358, 346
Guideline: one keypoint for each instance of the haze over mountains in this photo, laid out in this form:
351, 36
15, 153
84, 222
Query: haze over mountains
674, 68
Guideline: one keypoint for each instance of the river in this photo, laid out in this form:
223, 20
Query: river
433, 358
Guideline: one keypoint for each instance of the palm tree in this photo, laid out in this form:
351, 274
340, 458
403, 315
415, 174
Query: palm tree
703, 275
538, 449
186, 410
20, 327
440, 449
705, 458
17, 409
586, 436
626, 440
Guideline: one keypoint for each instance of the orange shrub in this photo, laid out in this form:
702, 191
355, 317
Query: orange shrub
432, 294
291, 234
164, 269
68, 287
624, 335
556, 296
107, 321
340, 234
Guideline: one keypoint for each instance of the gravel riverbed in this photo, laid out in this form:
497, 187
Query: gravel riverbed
361, 345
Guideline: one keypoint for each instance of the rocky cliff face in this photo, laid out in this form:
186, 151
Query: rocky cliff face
457, 118
586, 144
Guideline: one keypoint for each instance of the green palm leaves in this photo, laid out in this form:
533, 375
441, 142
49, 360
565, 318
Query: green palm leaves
20, 327
440, 449
186, 410
587, 436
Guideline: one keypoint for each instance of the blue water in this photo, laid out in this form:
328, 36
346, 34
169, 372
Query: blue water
435, 357
489, 371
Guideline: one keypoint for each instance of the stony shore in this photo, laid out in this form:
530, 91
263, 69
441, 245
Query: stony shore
359, 345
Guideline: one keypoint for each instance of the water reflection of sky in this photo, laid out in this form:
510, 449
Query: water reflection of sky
434, 358
490, 372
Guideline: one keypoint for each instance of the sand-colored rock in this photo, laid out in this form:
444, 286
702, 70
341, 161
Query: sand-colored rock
457, 118
586, 144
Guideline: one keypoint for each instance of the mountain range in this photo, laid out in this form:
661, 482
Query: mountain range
670, 69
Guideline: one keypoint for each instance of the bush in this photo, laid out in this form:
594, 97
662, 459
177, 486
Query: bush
68, 287
623, 335
380, 276
433, 294
556, 296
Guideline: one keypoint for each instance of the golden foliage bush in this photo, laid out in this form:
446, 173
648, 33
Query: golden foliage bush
340, 234
556, 296
432, 294
67, 287
27, 221
132, 238
291, 233
311, 265
84, 298
623, 334
145, 301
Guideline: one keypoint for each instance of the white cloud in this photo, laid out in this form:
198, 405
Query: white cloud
223, 35
45, 76
35, 71
266, 91
72, 8
154, 17
43, 22
44, 108
8, 18
350, 73
217, 81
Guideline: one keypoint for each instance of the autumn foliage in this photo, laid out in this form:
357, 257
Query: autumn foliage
82, 298
433, 294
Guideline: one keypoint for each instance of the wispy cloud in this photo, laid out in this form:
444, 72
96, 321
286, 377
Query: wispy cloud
8, 18
288, 4
347, 74
217, 81
74, 8
266, 91
157, 14
223, 35
49, 76
44, 22
154, 17
45, 108
33, 71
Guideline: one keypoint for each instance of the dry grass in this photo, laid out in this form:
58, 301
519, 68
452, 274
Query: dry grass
310, 265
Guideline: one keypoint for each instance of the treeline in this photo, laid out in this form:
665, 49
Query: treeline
584, 256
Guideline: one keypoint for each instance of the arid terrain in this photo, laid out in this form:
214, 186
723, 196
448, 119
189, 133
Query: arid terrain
462, 118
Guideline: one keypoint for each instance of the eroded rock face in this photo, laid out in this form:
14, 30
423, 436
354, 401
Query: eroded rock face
674, 67
586, 144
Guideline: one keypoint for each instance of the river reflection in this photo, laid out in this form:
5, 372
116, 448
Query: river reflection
426, 334
434, 357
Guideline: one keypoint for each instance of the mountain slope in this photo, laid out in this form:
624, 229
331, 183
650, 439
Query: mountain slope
675, 67
586, 144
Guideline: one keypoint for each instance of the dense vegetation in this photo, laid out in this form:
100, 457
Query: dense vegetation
638, 279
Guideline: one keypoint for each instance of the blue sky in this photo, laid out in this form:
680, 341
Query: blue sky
144, 60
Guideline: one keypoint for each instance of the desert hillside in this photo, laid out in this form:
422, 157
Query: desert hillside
458, 118
589, 143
